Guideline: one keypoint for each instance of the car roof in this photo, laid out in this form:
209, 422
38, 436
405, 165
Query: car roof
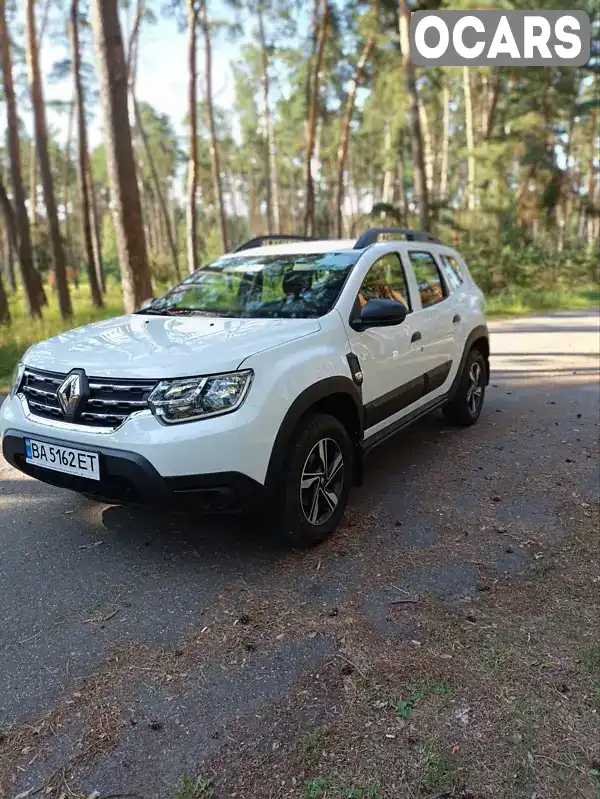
334, 245
298, 248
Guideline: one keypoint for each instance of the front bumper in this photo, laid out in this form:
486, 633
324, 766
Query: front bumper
236, 442
127, 477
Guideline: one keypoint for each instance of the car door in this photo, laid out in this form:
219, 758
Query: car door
455, 281
389, 357
436, 320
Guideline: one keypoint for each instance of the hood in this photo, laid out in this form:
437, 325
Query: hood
139, 346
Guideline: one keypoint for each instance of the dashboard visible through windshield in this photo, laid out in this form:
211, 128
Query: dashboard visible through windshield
261, 286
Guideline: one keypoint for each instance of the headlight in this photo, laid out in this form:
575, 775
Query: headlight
17, 377
192, 398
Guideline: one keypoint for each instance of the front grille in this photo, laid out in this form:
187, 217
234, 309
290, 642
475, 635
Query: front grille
111, 402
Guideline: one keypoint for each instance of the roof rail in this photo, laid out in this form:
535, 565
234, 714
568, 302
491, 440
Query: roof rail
371, 236
259, 241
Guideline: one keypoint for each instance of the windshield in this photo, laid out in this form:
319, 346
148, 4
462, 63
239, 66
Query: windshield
261, 287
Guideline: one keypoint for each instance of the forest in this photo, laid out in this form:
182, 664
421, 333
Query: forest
332, 129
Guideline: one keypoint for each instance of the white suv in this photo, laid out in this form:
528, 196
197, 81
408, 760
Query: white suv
259, 381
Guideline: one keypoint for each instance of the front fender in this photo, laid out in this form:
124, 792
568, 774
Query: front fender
293, 377
303, 403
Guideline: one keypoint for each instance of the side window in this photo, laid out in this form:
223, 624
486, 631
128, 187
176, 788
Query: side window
430, 283
451, 271
385, 280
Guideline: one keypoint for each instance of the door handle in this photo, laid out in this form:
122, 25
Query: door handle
416, 336
456, 319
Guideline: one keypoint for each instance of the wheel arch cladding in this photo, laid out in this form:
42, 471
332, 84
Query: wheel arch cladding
482, 343
477, 339
336, 396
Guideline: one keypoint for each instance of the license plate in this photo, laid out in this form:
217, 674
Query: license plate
62, 459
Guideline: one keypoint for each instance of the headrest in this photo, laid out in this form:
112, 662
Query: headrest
295, 282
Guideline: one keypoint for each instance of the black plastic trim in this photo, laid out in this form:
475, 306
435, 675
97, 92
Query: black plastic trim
126, 477
301, 405
394, 401
372, 236
399, 398
378, 438
477, 333
260, 240
355, 368
437, 377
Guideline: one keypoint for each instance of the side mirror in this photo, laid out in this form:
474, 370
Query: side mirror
380, 313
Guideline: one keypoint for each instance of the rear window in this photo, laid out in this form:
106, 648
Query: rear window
429, 280
451, 271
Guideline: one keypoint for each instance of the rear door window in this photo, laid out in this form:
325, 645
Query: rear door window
451, 271
429, 280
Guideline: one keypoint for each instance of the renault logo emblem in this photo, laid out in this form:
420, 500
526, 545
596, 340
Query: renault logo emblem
72, 393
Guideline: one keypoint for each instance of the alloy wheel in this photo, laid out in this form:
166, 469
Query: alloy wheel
475, 390
322, 481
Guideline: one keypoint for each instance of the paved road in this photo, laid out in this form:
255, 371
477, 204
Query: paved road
94, 597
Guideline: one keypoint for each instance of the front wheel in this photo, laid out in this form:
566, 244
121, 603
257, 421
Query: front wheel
465, 407
315, 483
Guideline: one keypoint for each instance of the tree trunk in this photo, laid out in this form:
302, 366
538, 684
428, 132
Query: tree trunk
345, 132
313, 100
157, 189
8, 215
66, 181
210, 124
33, 198
565, 195
491, 111
41, 140
82, 158
125, 195
4, 309
402, 181
592, 209
271, 176
445, 143
132, 52
192, 219
34, 293
428, 147
387, 193
32, 145
470, 139
10, 237
95, 223
420, 184
532, 171
10, 264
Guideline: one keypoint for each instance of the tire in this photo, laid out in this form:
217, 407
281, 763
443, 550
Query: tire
465, 407
306, 516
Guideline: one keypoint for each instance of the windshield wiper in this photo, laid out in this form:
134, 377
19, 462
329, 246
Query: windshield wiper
181, 312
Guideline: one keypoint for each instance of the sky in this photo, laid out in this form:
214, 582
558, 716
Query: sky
161, 80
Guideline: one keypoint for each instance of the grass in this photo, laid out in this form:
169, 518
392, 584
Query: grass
319, 788
439, 774
419, 690
195, 788
523, 301
591, 659
312, 743
23, 332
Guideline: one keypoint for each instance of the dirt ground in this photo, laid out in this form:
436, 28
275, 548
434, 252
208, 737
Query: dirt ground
444, 643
